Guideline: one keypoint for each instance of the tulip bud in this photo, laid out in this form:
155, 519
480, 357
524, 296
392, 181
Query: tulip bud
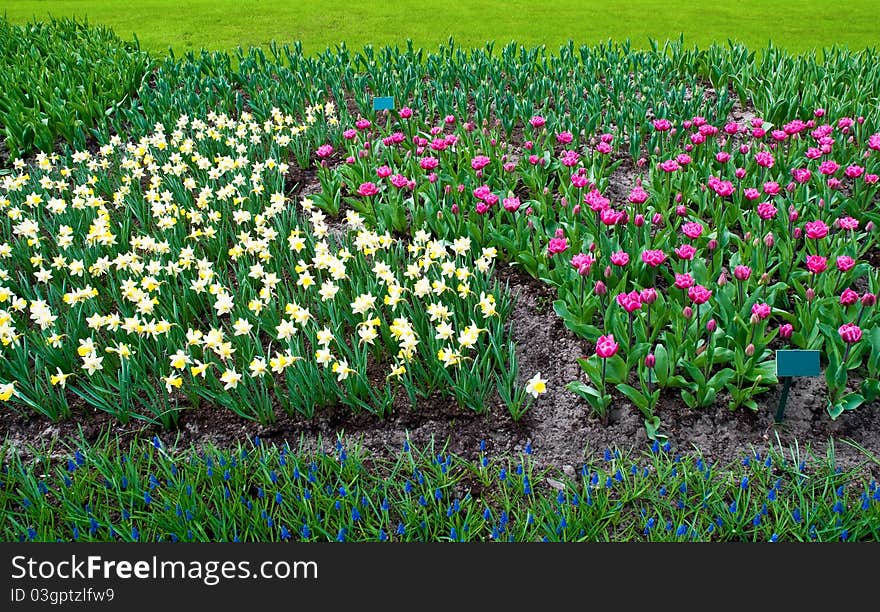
657, 219
639, 220
869, 299
797, 233
711, 326
455, 209
810, 294
765, 279
768, 240
681, 211
712, 244
577, 209
560, 233
722, 279
688, 312
650, 360
754, 319
678, 198
750, 349
600, 288
793, 214
607, 271
785, 331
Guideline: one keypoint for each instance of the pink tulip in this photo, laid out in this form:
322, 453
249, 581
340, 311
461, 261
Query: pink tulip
761, 310
582, 263
653, 257
638, 195
766, 211
692, 230
848, 297
479, 162
685, 252
764, 159
367, 189
850, 333
648, 295
742, 272
606, 346
324, 151
845, 263
699, 294
556, 245
630, 302
684, 281
816, 264
619, 258
848, 223
816, 229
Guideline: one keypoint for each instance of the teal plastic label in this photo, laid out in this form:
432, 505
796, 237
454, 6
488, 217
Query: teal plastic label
386, 103
797, 363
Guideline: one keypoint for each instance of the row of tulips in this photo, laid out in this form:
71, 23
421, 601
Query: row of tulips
733, 240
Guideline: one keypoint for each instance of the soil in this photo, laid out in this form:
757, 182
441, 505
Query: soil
559, 426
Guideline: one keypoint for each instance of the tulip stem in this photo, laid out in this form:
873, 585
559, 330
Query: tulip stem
604, 407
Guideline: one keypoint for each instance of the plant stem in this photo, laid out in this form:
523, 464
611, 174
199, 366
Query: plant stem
604, 407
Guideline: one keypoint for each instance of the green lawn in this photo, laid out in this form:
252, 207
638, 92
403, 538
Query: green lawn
225, 24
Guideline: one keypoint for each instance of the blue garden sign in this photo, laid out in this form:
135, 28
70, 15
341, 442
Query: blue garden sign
383, 103
797, 363
791, 363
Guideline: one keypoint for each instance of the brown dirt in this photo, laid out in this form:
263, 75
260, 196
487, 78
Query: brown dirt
559, 426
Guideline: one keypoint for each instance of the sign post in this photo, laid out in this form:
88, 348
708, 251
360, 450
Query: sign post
383, 103
791, 363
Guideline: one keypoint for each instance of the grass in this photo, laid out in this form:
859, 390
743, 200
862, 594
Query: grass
261, 492
226, 24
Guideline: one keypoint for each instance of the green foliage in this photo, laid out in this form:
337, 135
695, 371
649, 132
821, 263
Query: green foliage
261, 492
59, 78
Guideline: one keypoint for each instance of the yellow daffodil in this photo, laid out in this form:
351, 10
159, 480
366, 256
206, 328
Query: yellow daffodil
172, 381
92, 363
230, 378
59, 378
257, 367
242, 327
536, 385
6, 391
